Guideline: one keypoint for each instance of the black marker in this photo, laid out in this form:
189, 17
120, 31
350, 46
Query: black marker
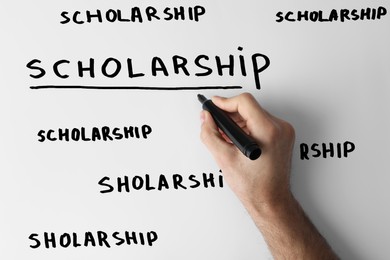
244, 142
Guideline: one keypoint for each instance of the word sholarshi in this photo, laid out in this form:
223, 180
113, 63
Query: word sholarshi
160, 182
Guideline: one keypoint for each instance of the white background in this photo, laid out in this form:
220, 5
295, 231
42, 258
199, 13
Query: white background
330, 80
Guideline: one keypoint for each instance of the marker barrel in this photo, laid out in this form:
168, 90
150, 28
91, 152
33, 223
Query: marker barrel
245, 143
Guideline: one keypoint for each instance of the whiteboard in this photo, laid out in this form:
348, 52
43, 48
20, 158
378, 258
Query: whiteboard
97, 92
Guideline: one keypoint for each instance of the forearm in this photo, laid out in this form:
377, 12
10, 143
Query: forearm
288, 231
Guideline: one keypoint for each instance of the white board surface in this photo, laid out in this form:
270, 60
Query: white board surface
330, 79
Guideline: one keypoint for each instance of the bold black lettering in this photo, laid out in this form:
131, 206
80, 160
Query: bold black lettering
98, 15
316, 150
151, 13
116, 132
354, 15
207, 180
344, 15
193, 179
180, 64
141, 238
229, 66
147, 183
256, 69
132, 237
287, 16
91, 68
348, 147
63, 134
102, 239
151, 237
124, 183
49, 240
136, 14
373, 15
30, 65
179, 13
146, 130
102, 182
118, 67
242, 63
106, 133
65, 240
326, 150
75, 20
198, 11
365, 14
111, 15
197, 63
83, 136
49, 137
120, 17
162, 182
137, 182
75, 243
89, 239
304, 150
130, 70
279, 15
56, 71
162, 67
177, 180
321, 18
120, 240
167, 12
66, 20
338, 147
96, 134
313, 16
190, 14
381, 12
220, 179
333, 16
75, 134
131, 132
34, 237
41, 134
303, 15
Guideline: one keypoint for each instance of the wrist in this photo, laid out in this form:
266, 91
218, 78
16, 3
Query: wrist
271, 207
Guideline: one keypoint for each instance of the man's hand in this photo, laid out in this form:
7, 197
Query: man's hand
262, 181
263, 185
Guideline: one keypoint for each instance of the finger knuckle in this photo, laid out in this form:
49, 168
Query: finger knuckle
278, 131
246, 96
289, 130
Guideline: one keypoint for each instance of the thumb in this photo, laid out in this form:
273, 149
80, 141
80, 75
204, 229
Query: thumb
214, 141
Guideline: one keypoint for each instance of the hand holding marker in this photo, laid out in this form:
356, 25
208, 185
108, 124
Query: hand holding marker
246, 144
